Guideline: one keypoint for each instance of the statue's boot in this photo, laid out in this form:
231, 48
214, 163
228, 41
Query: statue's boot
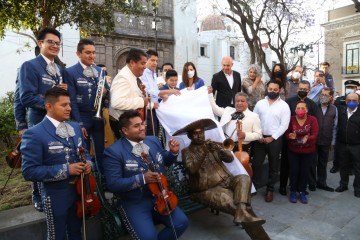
242, 216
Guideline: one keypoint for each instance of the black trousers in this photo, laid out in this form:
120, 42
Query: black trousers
300, 164
115, 127
284, 164
320, 166
272, 151
151, 119
350, 160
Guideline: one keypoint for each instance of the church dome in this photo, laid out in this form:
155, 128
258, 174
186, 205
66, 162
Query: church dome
212, 22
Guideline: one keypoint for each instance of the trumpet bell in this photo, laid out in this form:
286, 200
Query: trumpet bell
228, 144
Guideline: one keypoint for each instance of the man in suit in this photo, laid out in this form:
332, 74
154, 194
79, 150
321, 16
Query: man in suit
50, 155
83, 80
226, 83
36, 76
128, 171
251, 127
348, 143
125, 92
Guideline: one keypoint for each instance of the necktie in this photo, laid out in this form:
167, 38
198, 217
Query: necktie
51, 69
237, 115
140, 148
65, 130
90, 72
138, 81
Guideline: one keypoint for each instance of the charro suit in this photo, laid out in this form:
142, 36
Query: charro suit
83, 91
44, 157
124, 173
34, 81
225, 94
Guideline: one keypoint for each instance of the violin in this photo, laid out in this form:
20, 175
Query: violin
242, 155
88, 204
166, 201
13, 158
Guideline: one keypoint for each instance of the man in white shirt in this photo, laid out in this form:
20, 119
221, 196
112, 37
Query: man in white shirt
274, 116
125, 92
251, 128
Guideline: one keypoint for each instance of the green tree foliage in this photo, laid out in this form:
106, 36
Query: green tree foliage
7, 119
95, 16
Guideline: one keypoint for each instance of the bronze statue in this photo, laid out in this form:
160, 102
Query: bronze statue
210, 182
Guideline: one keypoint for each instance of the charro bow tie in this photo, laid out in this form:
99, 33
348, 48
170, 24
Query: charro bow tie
90, 72
237, 116
65, 130
140, 148
51, 69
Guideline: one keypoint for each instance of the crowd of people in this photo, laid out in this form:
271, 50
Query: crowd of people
292, 122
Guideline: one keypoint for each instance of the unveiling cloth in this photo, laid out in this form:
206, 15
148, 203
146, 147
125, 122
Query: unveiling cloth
179, 111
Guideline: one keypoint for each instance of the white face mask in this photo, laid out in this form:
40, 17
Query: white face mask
191, 74
348, 91
296, 75
164, 75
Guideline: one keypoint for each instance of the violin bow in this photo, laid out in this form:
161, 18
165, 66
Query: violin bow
82, 158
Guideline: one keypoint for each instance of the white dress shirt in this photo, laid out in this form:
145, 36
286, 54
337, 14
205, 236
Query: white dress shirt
124, 93
274, 118
149, 80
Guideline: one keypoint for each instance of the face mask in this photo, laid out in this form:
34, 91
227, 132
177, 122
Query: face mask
191, 74
324, 99
296, 75
352, 104
300, 113
278, 74
164, 75
348, 91
273, 95
302, 94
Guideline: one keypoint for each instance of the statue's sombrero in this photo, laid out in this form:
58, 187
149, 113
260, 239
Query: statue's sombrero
206, 123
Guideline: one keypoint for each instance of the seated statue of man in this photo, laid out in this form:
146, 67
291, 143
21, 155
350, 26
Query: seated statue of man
210, 181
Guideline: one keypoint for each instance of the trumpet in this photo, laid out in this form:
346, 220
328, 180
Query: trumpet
99, 96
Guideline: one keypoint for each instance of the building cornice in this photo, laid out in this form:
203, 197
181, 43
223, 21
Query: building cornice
342, 23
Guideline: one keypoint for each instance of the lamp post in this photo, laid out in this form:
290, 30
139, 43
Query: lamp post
300, 51
154, 25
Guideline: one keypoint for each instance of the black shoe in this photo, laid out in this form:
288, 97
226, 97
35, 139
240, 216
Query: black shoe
38, 206
341, 188
325, 187
334, 169
306, 192
282, 191
312, 188
357, 194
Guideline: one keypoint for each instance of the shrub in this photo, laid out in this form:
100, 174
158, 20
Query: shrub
7, 119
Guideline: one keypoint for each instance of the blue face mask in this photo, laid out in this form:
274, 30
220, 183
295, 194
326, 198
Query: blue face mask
348, 91
352, 104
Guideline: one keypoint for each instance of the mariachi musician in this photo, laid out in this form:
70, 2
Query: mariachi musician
50, 156
251, 127
125, 90
87, 86
128, 172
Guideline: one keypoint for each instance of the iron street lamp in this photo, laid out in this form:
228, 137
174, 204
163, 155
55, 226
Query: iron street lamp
300, 51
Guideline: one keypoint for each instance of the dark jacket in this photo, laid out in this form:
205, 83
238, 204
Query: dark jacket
348, 129
225, 94
312, 106
326, 125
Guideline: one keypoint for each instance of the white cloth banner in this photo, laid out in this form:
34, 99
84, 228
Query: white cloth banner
178, 111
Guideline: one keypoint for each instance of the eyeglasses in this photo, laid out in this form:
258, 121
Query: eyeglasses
52, 42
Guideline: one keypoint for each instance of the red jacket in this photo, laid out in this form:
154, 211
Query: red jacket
310, 128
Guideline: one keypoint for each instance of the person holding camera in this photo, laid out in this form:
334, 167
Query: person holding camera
317, 85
